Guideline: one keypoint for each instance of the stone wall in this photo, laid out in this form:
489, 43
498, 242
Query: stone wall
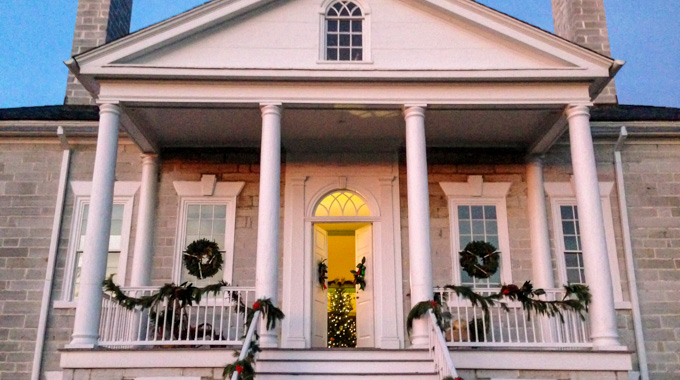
29, 175
653, 193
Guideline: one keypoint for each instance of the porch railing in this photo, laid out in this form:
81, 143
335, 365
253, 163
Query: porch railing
217, 320
500, 328
439, 352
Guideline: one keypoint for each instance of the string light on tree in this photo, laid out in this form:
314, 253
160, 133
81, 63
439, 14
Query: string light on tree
342, 328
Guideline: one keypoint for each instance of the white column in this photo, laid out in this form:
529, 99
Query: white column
86, 325
267, 265
541, 260
420, 260
142, 261
598, 276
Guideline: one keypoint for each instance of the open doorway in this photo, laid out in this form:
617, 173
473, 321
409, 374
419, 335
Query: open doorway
343, 313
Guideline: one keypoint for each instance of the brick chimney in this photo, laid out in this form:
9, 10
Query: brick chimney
584, 22
97, 22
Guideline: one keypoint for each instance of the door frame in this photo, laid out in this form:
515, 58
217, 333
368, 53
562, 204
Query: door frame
303, 190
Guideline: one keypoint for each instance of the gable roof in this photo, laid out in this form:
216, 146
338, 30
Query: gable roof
148, 52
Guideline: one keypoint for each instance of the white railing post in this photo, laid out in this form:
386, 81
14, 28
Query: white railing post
249, 340
439, 351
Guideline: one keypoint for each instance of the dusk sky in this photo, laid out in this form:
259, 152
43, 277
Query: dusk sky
36, 36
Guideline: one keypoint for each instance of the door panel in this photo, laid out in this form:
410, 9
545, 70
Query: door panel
320, 306
364, 248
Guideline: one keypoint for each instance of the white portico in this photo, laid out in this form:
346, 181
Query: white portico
189, 82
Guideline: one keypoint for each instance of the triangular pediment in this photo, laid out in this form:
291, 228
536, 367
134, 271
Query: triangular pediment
434, 38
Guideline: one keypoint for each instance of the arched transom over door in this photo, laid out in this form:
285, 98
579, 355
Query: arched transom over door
342, 203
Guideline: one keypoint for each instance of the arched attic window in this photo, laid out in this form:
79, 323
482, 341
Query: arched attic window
342, 203
344, 40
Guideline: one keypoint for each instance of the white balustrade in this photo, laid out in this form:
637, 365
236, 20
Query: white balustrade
511, 328
217, 320
439, 351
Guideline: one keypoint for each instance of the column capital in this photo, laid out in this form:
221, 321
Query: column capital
535, 159
109, 108
149, 159
270, 108
414, 110
577, 110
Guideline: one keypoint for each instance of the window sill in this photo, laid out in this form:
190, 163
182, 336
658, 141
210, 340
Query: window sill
623, 305
341, 63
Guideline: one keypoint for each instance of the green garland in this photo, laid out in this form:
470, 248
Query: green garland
475, 251
322, 273
576, 298
360, 274
202, 258
270, 313
244, 367
186, 294
421, 308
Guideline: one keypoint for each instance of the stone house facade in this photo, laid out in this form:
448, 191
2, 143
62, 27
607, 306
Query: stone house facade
49, 177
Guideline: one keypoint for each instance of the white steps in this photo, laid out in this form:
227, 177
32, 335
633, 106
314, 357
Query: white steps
346, 364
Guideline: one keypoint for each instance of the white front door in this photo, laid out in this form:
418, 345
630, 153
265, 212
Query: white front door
364, 248
320, 306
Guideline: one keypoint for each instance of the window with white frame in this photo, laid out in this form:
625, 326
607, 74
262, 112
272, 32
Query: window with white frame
567, 234
344, 35
477, 212
207, 211
121, 220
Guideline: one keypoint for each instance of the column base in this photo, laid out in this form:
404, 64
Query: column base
419, 335
268, 340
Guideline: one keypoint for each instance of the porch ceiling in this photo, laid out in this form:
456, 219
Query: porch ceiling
340, 128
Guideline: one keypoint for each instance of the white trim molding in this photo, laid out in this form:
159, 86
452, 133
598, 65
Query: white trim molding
563, 194
123, 194
477, 192
207, 191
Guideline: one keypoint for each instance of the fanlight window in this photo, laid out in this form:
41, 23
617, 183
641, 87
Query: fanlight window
344, 32
342, 203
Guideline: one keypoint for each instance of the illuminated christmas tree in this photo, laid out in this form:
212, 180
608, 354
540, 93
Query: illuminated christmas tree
342, 328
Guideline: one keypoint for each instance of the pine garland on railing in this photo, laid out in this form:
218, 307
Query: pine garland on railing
576, 298
185, 293
271, 314
421, 309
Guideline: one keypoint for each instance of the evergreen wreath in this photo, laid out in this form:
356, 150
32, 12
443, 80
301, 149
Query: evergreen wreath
360, 274
475, 251
202, 258
322, 273
421, 308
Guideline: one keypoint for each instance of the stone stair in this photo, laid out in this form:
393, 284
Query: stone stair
345, 364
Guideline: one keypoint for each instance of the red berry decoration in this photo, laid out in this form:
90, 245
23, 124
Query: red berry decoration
256, 305
433, 303
239, 369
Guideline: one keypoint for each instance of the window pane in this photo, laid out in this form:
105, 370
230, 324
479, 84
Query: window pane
568, 228
193, 211
344, 40
332, 54
115, 243
571, 259
332, 25
478, 230
192, 227
344, 54
490, 212
573, 276
477, 212
205, 229
570, 243
356, 41
116, 226
220, 212
492, 228
566, 212
332, 40
464, 227
493, 239
463, 212
206, 211
344, 25
464, 240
